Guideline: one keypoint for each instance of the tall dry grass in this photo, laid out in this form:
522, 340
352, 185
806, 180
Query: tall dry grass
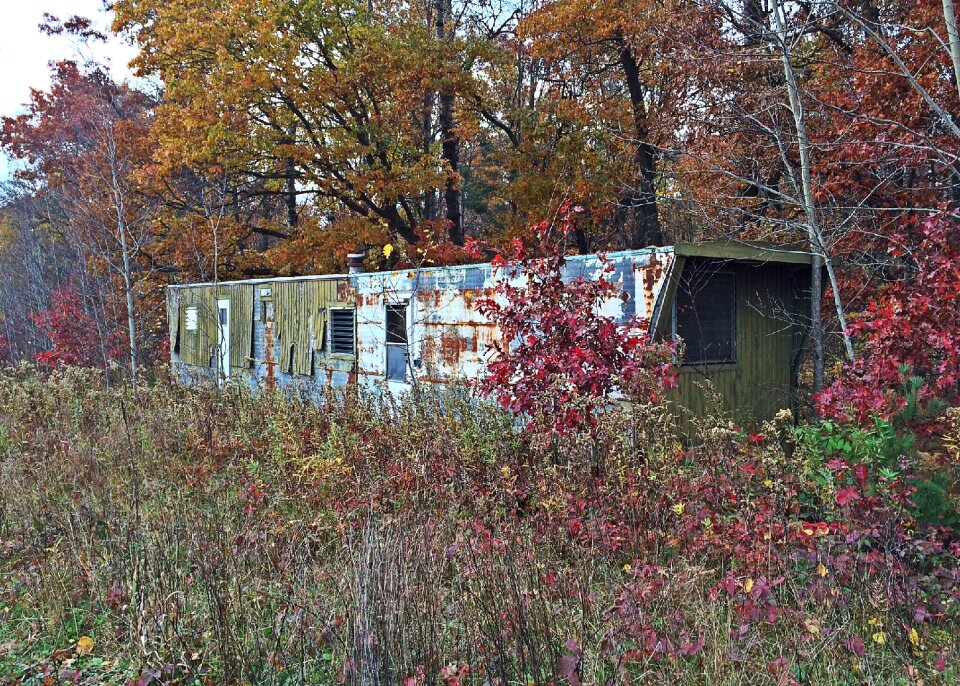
161, 534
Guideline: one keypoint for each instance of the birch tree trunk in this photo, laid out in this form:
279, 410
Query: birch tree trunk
126, 261
953, 39
820, 254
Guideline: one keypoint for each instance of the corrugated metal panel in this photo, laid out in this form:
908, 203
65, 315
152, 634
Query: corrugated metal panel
173, 316
241, 323
197, 346
450, 340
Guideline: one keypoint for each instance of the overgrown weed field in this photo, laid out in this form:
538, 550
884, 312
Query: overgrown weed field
157, 534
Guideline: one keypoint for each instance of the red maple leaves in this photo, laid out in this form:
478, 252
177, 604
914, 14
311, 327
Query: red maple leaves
564, 361
911, 329
73, 334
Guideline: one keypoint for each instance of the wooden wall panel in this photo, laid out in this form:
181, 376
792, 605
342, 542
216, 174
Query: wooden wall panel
300, 308
759, 383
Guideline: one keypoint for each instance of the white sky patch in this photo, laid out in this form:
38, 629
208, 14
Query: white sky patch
25, 53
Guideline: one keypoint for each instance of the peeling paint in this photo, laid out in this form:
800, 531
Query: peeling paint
448, 339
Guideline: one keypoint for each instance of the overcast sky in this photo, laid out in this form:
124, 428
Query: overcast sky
25, 53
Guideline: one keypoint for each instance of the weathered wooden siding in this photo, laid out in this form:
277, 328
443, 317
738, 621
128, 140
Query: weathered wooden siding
301, 312
759, 383
197, 347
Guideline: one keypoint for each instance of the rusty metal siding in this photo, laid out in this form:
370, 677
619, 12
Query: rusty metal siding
447, 337
449, 340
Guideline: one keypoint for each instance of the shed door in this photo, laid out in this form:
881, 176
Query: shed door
223, 338
397, 342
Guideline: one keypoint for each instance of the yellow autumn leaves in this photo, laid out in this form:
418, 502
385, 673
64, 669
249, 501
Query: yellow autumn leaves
84, 645
880, 636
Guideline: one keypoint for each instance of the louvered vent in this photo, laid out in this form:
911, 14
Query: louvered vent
341, 331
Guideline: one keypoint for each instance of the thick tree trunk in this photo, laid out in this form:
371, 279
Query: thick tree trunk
638, 210
290, 171
452, 194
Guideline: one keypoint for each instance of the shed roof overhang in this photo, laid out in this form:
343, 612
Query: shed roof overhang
745, 252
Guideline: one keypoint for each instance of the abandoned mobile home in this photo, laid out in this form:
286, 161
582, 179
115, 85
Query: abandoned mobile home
737, 308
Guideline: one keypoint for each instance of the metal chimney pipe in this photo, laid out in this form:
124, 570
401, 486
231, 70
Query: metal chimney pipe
355, 262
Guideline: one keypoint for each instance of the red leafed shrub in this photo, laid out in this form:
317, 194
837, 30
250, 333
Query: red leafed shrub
4, 350
913, 328
73, 334
562, 359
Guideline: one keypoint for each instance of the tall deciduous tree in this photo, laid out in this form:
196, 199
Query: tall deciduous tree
630, 69
84, 142
329, 93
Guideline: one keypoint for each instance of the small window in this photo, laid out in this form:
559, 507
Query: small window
397, 342
191, 318
342, 331
706, 318
397, 323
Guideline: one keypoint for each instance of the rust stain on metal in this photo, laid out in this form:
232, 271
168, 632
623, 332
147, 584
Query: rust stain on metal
429, 299
650, 276
451, 347
346, 292
268, 361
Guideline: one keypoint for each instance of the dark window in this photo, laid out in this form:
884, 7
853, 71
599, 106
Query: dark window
397, 323
397, 342
342, 331
706, 318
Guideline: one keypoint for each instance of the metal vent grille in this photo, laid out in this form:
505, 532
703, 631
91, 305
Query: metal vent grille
341, 331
